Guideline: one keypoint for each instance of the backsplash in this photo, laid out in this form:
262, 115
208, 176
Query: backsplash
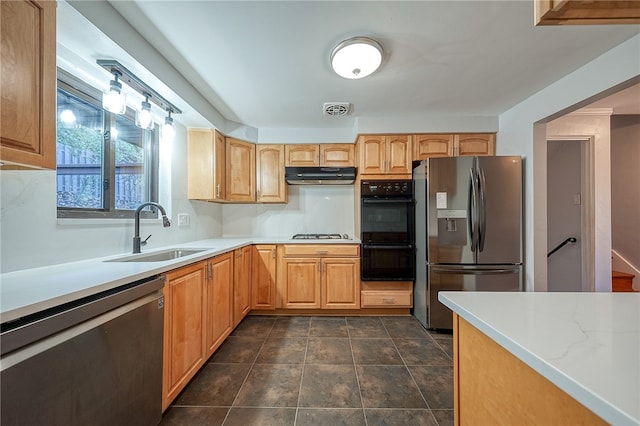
311, 209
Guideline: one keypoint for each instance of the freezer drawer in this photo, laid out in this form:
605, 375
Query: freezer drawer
466, 278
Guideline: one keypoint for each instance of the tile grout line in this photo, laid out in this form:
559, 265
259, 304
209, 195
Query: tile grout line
355, 370
248, 373
304, 363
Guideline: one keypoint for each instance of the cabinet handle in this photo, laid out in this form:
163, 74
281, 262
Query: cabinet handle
209, 271
322, 251
389, 300
273, 253
218, 190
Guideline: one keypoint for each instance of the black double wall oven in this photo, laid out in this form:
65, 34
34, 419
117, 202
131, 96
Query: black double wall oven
387, 223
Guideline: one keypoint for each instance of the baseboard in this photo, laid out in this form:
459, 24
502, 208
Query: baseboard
619, 263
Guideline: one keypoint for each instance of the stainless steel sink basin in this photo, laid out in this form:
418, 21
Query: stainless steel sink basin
159, 256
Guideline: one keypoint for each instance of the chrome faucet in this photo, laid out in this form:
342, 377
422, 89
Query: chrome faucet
136, 238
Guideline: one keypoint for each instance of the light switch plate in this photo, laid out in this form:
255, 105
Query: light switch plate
441, 200
183, 219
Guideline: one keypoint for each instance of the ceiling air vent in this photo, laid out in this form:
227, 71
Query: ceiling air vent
336, 108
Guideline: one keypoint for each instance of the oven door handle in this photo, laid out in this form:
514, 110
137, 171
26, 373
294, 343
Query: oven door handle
386, 200
387, 246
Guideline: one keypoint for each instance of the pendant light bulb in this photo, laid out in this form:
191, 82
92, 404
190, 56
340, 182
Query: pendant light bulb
168, 131
114, 100
144, 119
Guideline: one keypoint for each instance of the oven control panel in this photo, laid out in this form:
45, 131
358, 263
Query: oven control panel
386, 188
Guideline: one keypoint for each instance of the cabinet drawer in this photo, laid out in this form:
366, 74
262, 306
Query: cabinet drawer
389, 298
321, 250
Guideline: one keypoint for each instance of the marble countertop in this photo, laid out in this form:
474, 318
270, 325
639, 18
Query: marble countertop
32, 290
587, 344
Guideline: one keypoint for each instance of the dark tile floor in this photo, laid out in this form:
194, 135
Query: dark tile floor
322, 371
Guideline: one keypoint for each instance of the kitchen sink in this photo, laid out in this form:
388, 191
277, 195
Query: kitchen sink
159, 256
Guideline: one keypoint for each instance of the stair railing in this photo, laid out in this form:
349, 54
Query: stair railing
570, 240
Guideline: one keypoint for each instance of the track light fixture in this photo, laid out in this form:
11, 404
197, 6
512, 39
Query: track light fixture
168, 131
144, 117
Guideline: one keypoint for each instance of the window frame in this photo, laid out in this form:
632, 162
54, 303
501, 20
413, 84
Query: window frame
90, 94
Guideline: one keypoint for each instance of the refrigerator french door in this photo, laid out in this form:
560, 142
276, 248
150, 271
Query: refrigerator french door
468, 230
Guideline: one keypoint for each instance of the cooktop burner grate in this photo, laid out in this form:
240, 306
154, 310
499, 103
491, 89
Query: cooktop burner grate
318, 237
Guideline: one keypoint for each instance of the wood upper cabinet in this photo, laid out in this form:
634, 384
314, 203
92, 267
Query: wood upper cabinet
183, 327
316, 276
301, 155
475, 144
28, 84
241, 284
432, 145
263, 277
578, 12
218, 302
270, 182
384, 154
326, 154
206, 165
337, 155
240, 170
453, 145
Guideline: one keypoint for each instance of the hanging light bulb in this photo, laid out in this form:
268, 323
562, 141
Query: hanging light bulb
114, 100
144, 119
168, 131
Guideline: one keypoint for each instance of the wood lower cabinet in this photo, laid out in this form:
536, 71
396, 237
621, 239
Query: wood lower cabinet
492, 386
241, 284
319, 276
28, 84
270, 183
198, 317
219, 302
206, 165
386, 294
240, 170
263, 277
184, 317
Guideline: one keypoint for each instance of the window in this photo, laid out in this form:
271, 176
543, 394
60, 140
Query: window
106, 165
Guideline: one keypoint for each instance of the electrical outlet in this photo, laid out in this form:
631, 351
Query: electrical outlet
183, 219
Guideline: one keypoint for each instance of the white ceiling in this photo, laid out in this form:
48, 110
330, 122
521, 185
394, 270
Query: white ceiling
266, 64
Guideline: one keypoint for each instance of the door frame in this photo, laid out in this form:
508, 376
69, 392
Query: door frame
587, 188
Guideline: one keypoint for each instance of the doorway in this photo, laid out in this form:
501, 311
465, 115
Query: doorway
567, 214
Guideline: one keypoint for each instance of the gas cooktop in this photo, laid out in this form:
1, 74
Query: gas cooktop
320, 237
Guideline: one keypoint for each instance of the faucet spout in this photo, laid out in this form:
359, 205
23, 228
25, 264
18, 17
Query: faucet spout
136, 238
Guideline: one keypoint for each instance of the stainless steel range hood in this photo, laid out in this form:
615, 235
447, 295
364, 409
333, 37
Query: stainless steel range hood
320, 175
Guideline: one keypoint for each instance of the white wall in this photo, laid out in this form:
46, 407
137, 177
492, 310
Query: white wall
311, 209
519, 134
31, 236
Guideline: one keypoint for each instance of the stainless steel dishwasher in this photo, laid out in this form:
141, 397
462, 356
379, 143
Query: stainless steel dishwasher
94, 361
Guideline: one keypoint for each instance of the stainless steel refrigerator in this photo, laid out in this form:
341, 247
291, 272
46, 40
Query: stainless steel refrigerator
468, 230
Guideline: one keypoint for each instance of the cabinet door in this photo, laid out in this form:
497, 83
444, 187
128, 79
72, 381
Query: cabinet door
270, 183
372, 154
28, 81
340, 283
302, 155
263, 277
219, 302
399, 154
183, 328
475, 144
240, 170
241, 284
301, 283
429, 146
337, 155
205, 165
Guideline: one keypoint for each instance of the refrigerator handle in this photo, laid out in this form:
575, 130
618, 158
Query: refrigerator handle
483, 271
471, 209
482, 211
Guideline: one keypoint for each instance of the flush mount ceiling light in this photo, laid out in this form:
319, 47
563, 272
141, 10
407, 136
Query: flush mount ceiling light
356, 57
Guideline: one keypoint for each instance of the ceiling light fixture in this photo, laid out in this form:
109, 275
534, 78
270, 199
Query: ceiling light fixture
114, 100
144, 118
356, 57
168, 131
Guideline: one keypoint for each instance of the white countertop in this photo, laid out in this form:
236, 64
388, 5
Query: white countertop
32, 290
587, 344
